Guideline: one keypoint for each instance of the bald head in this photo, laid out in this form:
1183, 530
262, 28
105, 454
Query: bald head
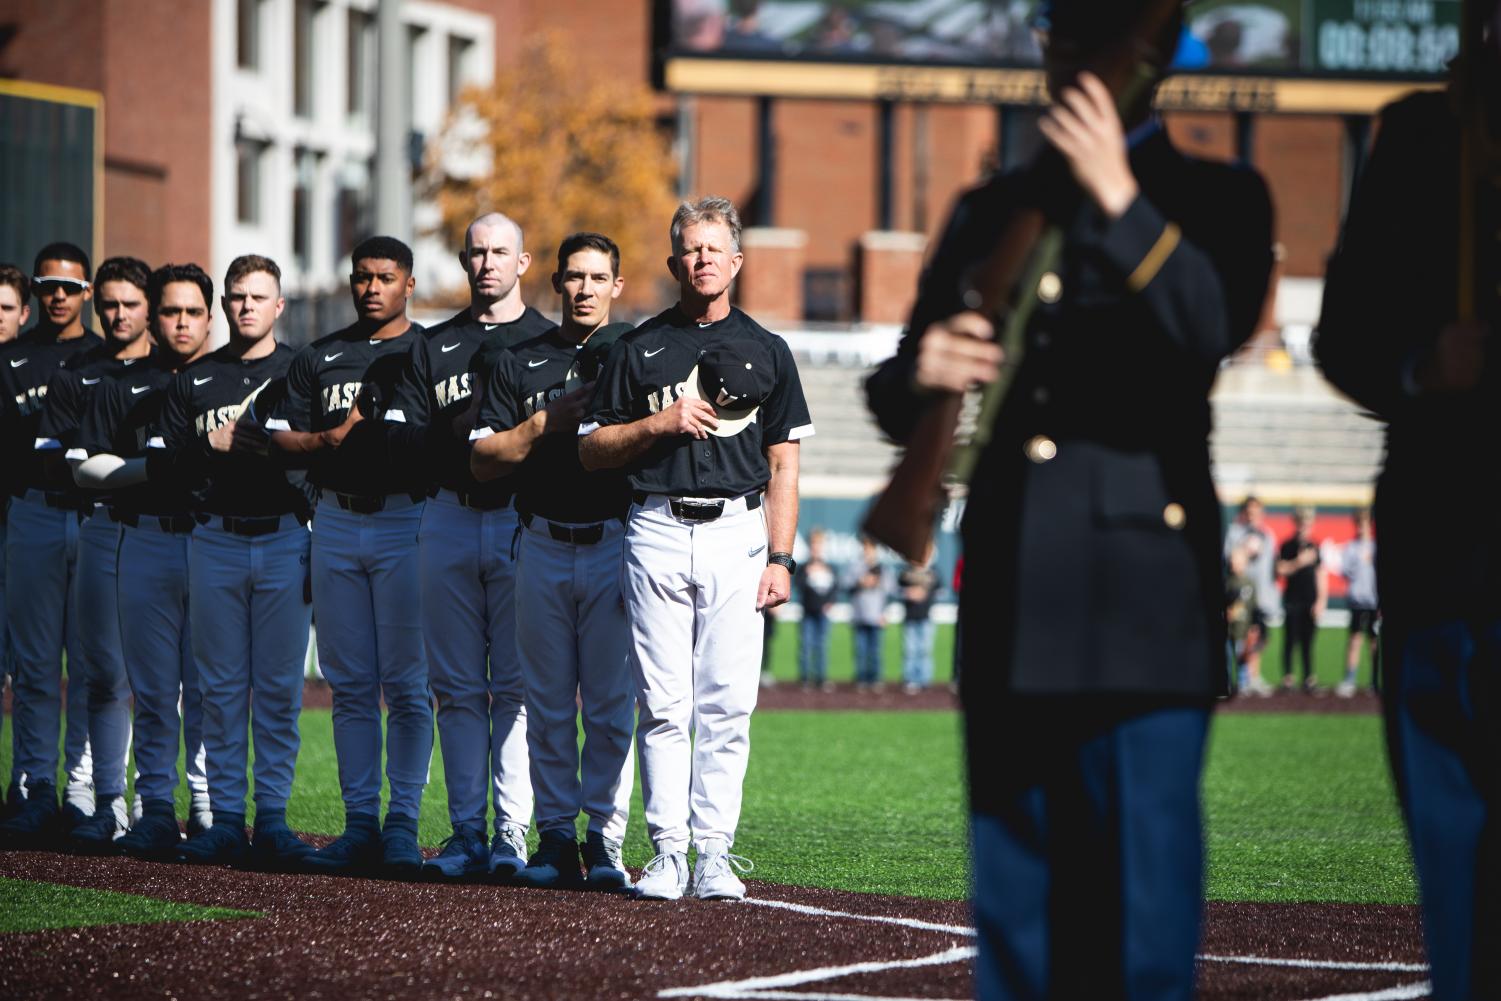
488, 224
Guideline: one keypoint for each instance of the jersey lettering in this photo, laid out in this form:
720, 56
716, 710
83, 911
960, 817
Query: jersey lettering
452, 389
539, 401
31, 401
659, 402
340, 396
212, 420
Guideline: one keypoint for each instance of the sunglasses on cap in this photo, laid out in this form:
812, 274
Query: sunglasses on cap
48, 284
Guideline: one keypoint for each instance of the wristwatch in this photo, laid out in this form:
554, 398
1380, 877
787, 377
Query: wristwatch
783, 560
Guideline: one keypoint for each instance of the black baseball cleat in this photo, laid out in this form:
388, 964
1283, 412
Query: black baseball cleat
464, 856
155, 837
400, 856
222, 844
602, 865
356, 852
277, 849
69, 817
97, 834
554, 865
34, 827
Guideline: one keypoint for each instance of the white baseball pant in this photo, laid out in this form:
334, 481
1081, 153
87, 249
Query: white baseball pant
155, 635
41, 560
572, 635
469, 630
690, 591
250, 625
368, 602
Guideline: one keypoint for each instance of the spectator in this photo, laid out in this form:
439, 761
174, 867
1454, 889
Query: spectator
869, 591
1249, 531
816, 584
918, 584
1240, 616
1358, 567
1304, 595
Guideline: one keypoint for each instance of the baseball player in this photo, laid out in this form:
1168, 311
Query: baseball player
570, 621
247, 560
41, 550
120, 304
703, 409
366, 594
464, 558
15, 313
155, 520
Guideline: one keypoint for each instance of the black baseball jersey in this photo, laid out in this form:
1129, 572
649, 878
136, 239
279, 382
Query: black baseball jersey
323, 382
439, 386
647, 371
27, 365
69, 393
120, 420
207, 395
551, 483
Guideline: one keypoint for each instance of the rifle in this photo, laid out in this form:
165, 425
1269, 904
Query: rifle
954, 429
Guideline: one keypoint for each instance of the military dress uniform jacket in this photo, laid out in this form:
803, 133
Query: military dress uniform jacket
1092, 529
1391, 287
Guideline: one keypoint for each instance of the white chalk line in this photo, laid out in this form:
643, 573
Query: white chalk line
769, 987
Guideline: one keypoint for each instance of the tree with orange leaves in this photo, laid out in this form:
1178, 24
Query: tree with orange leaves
560, 149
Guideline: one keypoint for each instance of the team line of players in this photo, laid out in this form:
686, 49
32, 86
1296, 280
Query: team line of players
506, 519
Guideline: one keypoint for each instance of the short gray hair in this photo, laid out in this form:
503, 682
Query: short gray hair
710, 208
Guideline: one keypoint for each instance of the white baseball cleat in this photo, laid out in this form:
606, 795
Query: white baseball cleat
665, 877
1345, 689
714, 876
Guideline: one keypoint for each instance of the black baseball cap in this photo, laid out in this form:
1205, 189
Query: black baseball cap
735, 378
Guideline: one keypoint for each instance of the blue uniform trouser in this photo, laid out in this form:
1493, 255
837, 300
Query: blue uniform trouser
41, 558
1443, 716
102, 661
1088, 859
469, 631
157, 639
250, 628
368, 601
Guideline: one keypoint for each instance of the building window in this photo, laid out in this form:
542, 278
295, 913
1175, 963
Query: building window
361, 63
302, 208
248, 156
459, 50
248, 34
355, 211
304, 16
416, 40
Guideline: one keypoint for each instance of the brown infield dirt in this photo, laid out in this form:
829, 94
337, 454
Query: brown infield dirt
324, 937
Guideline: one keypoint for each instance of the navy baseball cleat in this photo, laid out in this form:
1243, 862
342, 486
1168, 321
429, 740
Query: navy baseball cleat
222, 844
274, 848
602, 864
35, 822
400, 856
356, 852
69, 817
464, 856
507, 853
97, 835
555, 864
155, 836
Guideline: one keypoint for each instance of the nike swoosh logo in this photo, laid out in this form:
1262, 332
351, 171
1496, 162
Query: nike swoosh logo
88, 382
648, 354
138, 389
332, 356
491, 326
18, 362
753, 552
199, 382
449, 347
534, 364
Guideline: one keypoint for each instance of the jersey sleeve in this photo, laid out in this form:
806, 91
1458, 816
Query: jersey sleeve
61, 416
501, 407
613, 392
294, 410
784, 415
101, 421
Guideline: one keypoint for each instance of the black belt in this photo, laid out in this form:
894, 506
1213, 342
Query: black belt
248, 527
482, 502
368, 504
697, 510
62, 501
177, 523
581, 535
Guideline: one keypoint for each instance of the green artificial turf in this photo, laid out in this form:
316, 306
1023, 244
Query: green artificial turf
1298, 807
26, 905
